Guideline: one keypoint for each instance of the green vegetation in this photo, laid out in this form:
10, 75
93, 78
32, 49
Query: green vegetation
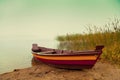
109, 36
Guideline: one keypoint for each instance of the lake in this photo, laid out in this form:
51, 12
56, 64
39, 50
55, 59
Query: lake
16, 53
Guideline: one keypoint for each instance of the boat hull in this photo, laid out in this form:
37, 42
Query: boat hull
66, 58
68, 62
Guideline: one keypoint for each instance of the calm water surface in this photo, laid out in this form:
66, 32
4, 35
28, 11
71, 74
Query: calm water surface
16, 53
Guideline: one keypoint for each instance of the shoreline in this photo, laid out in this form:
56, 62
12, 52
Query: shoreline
101, 71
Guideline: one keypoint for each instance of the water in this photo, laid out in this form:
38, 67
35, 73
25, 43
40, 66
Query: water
16, 53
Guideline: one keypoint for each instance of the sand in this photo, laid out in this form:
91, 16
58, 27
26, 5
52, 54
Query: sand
101, 71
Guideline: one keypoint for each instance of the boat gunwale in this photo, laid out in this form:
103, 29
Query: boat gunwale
68, 54
58, 52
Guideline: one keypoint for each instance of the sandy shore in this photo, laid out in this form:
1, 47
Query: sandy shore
101, 71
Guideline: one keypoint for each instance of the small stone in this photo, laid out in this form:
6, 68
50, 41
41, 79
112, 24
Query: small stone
16, 70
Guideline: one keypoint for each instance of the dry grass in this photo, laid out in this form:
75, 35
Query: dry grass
109, 36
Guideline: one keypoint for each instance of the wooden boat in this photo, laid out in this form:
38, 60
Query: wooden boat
66, 58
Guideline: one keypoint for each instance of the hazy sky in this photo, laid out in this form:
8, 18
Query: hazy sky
50, 18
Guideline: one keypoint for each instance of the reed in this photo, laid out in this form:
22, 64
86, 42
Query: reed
109, 36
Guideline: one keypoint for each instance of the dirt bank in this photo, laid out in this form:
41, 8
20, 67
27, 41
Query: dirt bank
101, 71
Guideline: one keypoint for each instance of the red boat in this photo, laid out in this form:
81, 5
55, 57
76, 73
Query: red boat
66, 58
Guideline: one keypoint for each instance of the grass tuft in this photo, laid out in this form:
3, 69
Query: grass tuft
109, 36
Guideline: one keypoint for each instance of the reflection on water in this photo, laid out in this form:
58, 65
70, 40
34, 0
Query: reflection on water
16, 53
